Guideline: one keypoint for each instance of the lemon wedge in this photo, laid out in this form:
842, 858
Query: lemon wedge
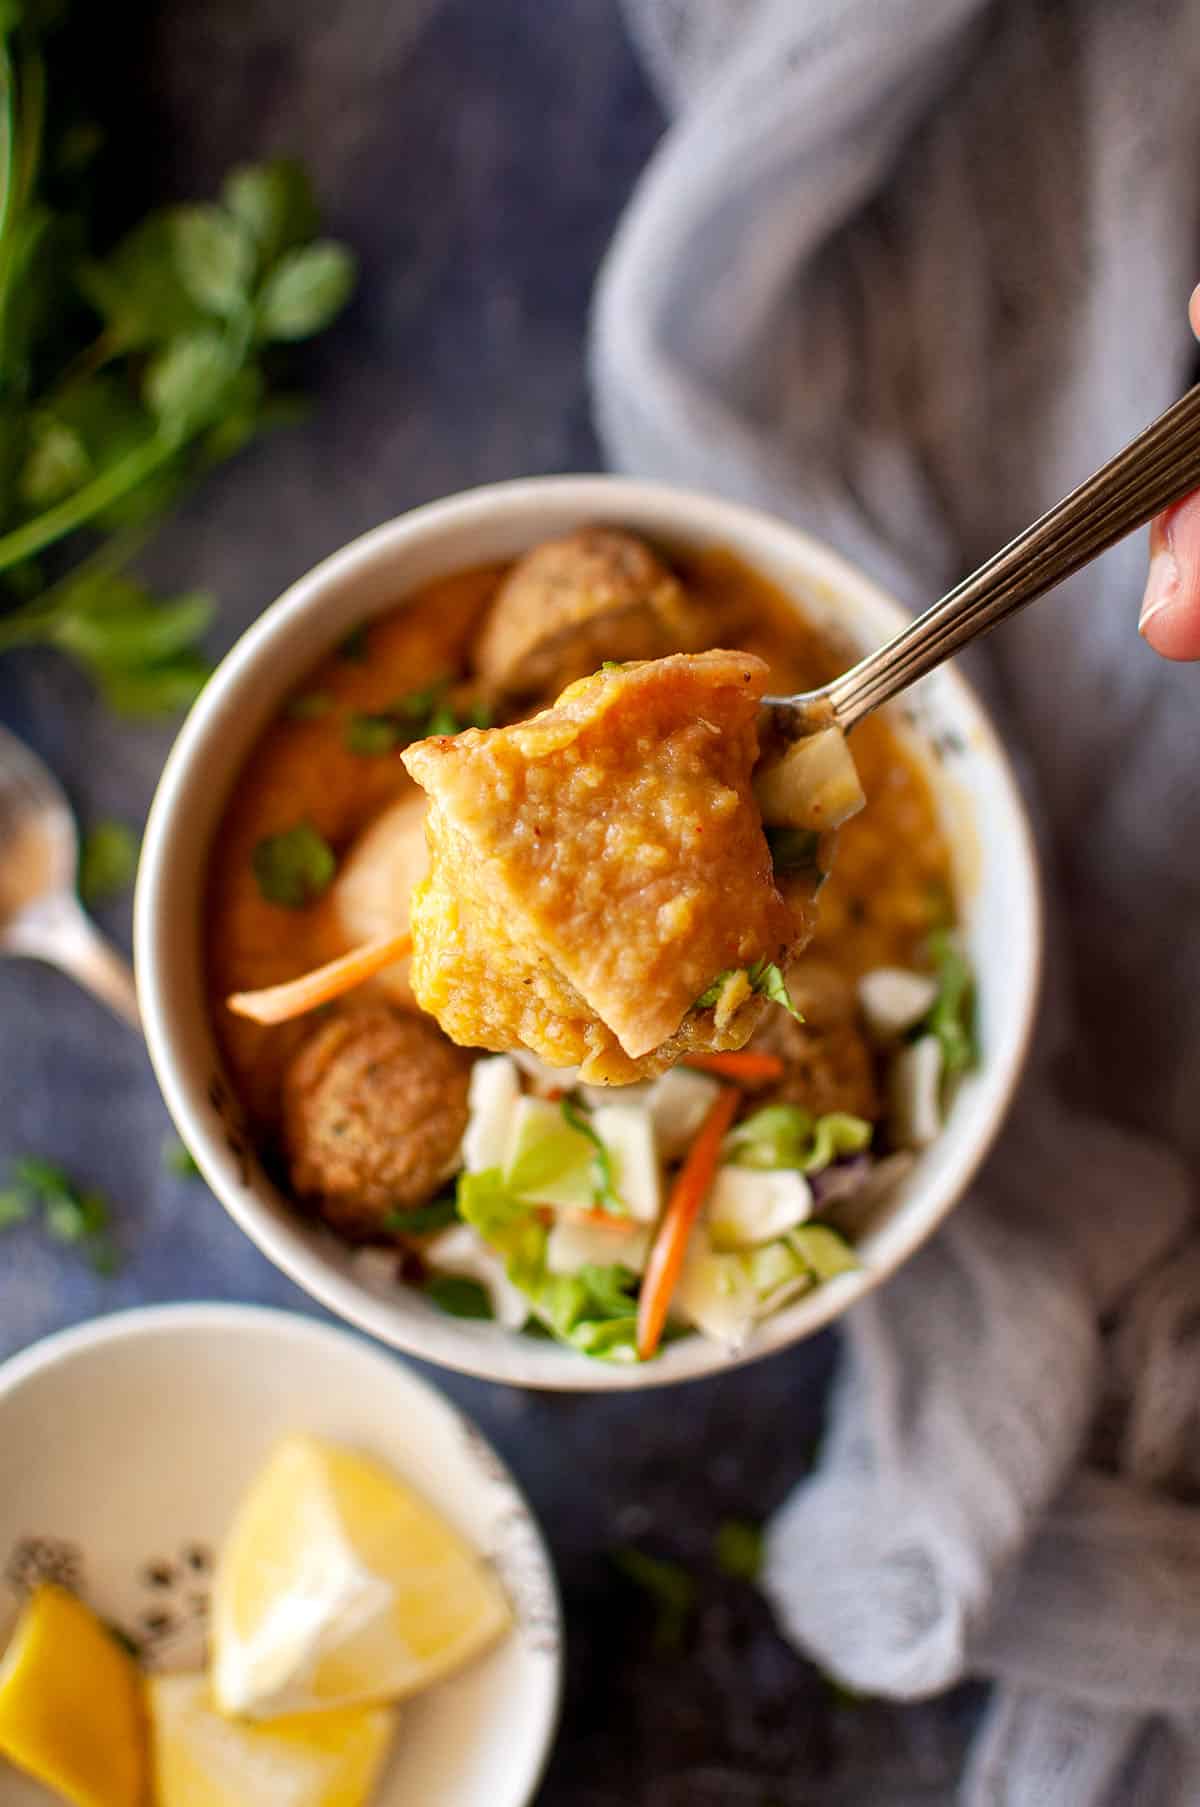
338, 1586
204, 1760
71, 1705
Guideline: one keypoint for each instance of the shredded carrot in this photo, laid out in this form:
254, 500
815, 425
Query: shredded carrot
606, 1220
279, 1003
683, 1207
748, 1064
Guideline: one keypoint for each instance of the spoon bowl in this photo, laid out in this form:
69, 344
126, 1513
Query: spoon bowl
41, 917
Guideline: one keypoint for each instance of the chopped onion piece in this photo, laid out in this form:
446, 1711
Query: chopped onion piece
678, 1103
813, 784
893, 1001
748, 1206
715, 1293
628, 1135
914, 1086
491, 1101
572, 1245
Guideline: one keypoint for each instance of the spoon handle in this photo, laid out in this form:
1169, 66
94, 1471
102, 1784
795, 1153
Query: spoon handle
1157, 468
58, 931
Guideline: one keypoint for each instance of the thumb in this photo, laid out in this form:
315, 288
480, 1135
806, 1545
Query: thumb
1170, 618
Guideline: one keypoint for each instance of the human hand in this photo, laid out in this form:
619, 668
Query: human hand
1170, 618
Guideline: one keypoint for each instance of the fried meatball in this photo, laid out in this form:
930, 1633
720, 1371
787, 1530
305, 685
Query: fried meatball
374, 1107
828, 1064
572, 603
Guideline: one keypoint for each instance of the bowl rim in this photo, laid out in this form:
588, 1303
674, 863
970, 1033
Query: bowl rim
219, 1316
605, 496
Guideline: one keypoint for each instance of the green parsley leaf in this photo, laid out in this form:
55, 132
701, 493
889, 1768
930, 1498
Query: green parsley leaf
418, 716
458, 1296
308, 706
670, 1589
371, 736
187, 384
68, 1215
422, 1220
603, 1180
738, 1549
293, 868
214, 255
56, 463
107, 862
177, 1158
15, 1207
442, 721
139, 290
274, 202
305, 290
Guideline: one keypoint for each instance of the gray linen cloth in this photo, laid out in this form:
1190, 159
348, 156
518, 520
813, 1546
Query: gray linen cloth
904, 271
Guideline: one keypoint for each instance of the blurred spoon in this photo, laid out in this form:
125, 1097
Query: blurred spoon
40, 915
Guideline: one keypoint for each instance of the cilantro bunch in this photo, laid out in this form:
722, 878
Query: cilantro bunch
126, 372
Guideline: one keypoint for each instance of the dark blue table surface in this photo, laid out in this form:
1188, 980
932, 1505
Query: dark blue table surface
477, 154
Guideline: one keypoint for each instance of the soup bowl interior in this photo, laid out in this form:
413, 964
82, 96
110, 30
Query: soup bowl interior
972, 782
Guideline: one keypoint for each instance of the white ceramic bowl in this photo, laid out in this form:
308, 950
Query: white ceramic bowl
128, 1443
972, 779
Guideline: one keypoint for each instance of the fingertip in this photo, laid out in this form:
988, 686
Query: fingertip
1194, 310
1170, 618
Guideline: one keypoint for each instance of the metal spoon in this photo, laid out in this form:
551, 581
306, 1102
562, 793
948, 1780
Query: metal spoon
1157, 468
40, 915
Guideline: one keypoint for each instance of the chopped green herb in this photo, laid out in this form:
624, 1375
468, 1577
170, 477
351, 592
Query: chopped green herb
370, 736
793, 849
295, 867
764, 977
738, 1549
442, 721
458, 1297
309, 706
68, 1215
603, 1179
611, 665
952, 1015
767, 978
355, 647
418, 716
422, 1220
107, 862
15, 1207
670, 1589
178, 1159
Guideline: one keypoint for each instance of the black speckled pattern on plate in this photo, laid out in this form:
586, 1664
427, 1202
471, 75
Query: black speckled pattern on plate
477, 153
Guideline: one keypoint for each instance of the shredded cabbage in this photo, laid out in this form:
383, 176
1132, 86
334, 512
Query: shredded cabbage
784, 1135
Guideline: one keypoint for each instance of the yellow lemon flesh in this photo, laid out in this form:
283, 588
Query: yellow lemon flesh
204, 1760
71, 1705
339, 1586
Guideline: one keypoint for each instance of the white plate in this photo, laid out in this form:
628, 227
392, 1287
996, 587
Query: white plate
128, 1443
